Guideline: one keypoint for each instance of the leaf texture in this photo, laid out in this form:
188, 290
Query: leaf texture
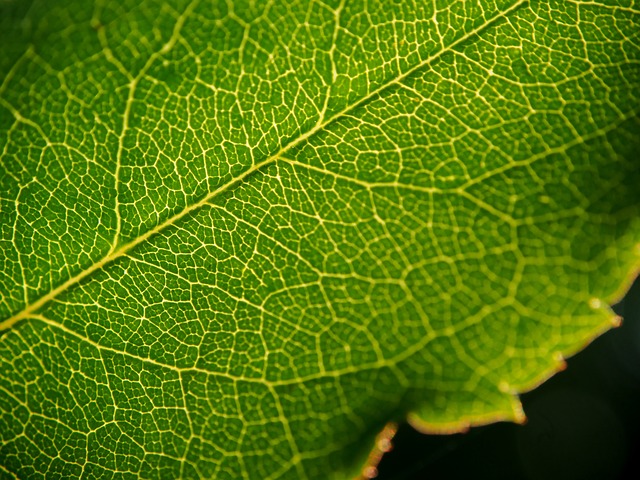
237, 238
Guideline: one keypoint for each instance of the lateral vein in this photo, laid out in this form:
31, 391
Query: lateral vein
120, 251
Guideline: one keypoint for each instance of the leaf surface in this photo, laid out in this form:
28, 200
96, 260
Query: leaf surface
237, 238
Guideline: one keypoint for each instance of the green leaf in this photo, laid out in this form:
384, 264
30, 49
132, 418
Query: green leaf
237, 238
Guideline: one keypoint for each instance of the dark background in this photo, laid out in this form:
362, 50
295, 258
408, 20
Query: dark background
583, 423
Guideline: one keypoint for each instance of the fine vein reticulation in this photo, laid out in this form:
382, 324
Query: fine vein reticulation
238, 238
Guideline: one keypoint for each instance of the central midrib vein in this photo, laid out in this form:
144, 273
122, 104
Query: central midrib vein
122, 250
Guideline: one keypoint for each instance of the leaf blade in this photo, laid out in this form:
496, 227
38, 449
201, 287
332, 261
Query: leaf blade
243, 332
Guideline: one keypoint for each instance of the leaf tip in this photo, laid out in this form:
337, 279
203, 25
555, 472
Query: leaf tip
616, 321
561, 363
370, 472
519, 416
381, 446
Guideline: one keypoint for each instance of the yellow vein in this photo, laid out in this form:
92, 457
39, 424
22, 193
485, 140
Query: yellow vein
29, 310
133, 85
118, 252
